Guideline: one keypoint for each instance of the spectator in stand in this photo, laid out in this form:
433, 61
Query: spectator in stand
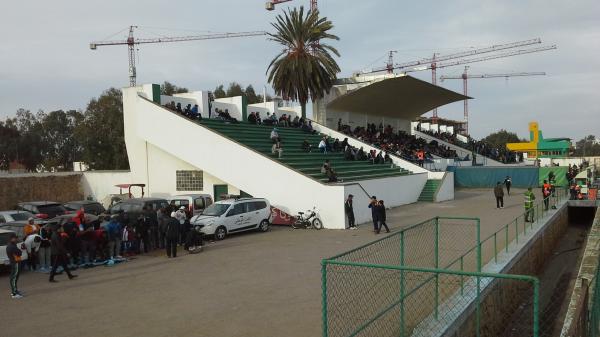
323, 146
196, 113
275, 135
178, 108
258, 119
499, 194
188, 111
283, 121
252, 118
325, 166
277, 148
339, 125
421, 157
296, 122
306, 147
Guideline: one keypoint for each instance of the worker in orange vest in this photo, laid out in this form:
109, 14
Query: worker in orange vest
546, 193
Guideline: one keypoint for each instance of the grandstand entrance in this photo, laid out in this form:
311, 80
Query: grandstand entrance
219, 191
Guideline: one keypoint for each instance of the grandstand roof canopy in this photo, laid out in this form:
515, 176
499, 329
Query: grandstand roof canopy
400, 97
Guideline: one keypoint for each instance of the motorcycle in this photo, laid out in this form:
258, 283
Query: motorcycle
310, 219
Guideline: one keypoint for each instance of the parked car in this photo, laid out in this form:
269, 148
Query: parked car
233, 216
193, 203
133, 207
4, 239
15, 215
17, 227
91, 207
43, 209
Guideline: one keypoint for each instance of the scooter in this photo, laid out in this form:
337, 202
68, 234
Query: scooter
310, 219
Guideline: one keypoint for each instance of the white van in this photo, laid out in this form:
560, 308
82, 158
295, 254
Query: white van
232, 216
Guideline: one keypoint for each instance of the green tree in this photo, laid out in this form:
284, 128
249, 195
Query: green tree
101, 133
219, 92
587, 146
60, 147
235, 89
500, 138
30, 147
305, 68
251, 95
169, 89
9, 143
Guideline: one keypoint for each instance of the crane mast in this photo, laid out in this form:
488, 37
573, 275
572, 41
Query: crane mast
465, 76
131, 42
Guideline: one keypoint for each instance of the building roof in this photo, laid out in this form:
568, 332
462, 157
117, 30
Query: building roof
399, 97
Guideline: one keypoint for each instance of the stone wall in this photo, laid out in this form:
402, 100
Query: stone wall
504, 299
35, 187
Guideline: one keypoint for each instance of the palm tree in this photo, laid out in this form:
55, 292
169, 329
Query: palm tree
305, 68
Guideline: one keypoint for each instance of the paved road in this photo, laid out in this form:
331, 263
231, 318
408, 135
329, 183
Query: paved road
255, 284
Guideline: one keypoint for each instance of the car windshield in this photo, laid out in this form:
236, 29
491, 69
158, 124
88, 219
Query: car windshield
21, 216
216, 209
4, 239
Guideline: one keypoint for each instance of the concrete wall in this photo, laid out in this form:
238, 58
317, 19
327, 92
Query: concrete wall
446, 189
395, 191
37, 187
502, 299
232, 104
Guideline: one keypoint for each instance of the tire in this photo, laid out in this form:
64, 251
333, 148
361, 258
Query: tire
263, 226
317, 224
220, 233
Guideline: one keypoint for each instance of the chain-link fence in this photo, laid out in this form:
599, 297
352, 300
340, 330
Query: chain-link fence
434, 243
362, 299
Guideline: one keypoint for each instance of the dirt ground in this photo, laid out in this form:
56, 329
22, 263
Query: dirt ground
254, 284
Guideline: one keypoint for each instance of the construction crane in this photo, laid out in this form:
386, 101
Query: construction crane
270, 5
131, 42
440, 61
465, 76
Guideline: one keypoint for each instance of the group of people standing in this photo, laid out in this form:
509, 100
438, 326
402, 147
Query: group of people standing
378, 213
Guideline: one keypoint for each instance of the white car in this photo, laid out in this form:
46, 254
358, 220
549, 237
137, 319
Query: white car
233, 216
4, 239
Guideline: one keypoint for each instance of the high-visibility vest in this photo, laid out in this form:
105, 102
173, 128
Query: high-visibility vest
420, 155
529, 197
546, 189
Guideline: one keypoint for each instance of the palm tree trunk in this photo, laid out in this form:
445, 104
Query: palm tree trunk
303, 105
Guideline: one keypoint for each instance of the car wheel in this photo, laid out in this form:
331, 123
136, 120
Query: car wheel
263, 226
220, 233
317, 224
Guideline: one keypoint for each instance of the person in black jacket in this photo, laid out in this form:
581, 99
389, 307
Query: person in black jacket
172, 234
14, 256
350, 211
374, 214
381, 216
59, 254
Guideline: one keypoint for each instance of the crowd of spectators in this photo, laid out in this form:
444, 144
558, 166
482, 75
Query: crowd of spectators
477, 146
400, 143
89, 241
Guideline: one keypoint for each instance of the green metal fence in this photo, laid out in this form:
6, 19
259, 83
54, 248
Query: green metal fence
594, 311
419, 280
361, 299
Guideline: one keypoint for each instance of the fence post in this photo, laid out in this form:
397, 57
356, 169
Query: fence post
462, 282
536, 307
478, 245
517, 228
495, 249
437, 264
324, 297
506, 238
478, 314
402, 285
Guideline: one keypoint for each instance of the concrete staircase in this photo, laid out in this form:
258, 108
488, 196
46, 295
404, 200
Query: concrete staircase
429, 190
257, 137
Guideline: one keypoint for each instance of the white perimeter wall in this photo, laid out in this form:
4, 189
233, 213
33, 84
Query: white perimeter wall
394, 191
99, 184
232, 104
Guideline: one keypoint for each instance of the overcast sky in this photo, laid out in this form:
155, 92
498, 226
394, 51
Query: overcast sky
46, 63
